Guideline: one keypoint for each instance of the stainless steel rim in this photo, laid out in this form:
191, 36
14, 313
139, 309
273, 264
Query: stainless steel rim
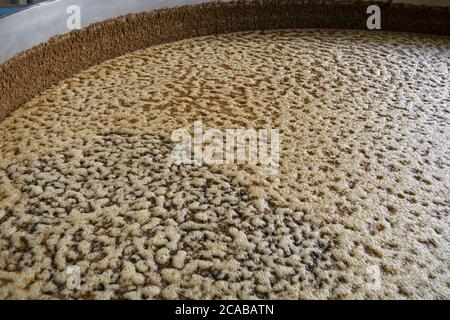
36, 24
22, 30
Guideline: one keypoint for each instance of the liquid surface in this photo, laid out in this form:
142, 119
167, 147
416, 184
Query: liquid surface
359, 209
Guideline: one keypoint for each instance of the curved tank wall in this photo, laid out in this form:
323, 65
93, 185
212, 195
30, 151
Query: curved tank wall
23, 30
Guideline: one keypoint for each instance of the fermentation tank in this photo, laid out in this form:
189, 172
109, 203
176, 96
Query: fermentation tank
272, 149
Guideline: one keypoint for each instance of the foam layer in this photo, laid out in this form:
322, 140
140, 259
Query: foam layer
35, 70
85, 178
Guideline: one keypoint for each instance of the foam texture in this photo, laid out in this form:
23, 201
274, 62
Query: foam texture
85, 178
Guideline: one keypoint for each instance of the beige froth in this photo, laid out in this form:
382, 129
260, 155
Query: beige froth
85, 178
